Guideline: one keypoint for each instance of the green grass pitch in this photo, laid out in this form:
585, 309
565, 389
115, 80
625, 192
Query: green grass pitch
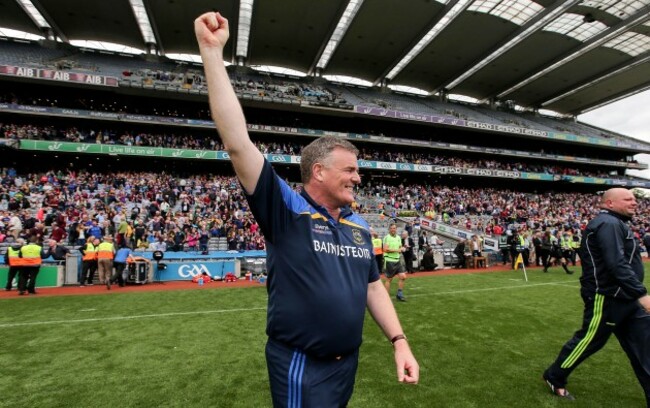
482, 340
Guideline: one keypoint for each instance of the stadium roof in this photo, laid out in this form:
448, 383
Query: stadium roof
567, 56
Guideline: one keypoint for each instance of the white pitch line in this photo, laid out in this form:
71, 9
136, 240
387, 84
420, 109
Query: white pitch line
116, 318
567, 285
522, 286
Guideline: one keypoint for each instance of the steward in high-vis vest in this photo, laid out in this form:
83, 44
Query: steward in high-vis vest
89, 261
105, 255
15, 262
378, 248
32, 256
504, 247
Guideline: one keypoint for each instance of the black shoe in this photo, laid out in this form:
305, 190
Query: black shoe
545, 270
108, 285
559, 392
569, 271
32, 293
401, 298
21, 293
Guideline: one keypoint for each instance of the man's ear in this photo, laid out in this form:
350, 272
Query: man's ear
317, 171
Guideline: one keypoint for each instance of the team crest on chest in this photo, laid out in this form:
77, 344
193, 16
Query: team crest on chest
356, 235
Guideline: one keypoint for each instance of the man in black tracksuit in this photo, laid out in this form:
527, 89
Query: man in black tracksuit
615, 299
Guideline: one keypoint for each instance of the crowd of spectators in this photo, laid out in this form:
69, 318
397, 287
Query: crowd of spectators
150, 210
491, 211
387, 153
259, 85
167, 212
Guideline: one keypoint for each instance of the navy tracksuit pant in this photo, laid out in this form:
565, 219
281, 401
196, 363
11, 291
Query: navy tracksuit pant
301, 381
604, 316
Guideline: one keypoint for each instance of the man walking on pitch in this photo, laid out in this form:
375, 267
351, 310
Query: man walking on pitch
612, 289
322, 272
393, 248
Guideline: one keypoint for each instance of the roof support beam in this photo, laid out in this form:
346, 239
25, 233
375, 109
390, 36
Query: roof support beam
452, 11
244, 29
337, 35
41, 19
639, 18
143, 18
641, 59
615, 99
534, 25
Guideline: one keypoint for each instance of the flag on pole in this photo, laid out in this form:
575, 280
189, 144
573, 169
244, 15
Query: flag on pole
520, 261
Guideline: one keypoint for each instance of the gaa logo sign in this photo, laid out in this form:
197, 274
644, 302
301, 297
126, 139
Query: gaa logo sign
192, 270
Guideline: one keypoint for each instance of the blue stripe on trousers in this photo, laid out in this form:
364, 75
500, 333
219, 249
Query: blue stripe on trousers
293, 362
296, 370
299, 382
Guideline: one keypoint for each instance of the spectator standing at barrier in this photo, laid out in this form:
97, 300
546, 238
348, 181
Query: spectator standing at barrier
423, 243
58, 233
81, 234
300, 229
105, 255
32, 255
15, 224
611, 286
476, 246
88, 261
408, 254
204, 239
94, 230
122, 230
378, 250
459, 251
192, 239
57, 251
15, 262
393, 249
434, 241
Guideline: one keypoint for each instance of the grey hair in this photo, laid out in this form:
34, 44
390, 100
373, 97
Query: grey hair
318, 151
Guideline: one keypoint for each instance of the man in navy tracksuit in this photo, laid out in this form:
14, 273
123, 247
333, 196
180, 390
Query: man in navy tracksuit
322, 270
615, 299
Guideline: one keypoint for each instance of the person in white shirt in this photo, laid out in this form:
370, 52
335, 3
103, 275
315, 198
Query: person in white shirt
434, 240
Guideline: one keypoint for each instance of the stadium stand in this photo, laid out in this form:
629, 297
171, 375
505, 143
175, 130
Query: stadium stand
210, 203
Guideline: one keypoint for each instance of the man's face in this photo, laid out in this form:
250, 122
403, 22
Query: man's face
340, 175
623, 203
392, 230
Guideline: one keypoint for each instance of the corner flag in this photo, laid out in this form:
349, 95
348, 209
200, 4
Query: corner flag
520, 261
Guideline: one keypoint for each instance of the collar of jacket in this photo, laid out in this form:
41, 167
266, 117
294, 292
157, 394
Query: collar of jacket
615, 214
